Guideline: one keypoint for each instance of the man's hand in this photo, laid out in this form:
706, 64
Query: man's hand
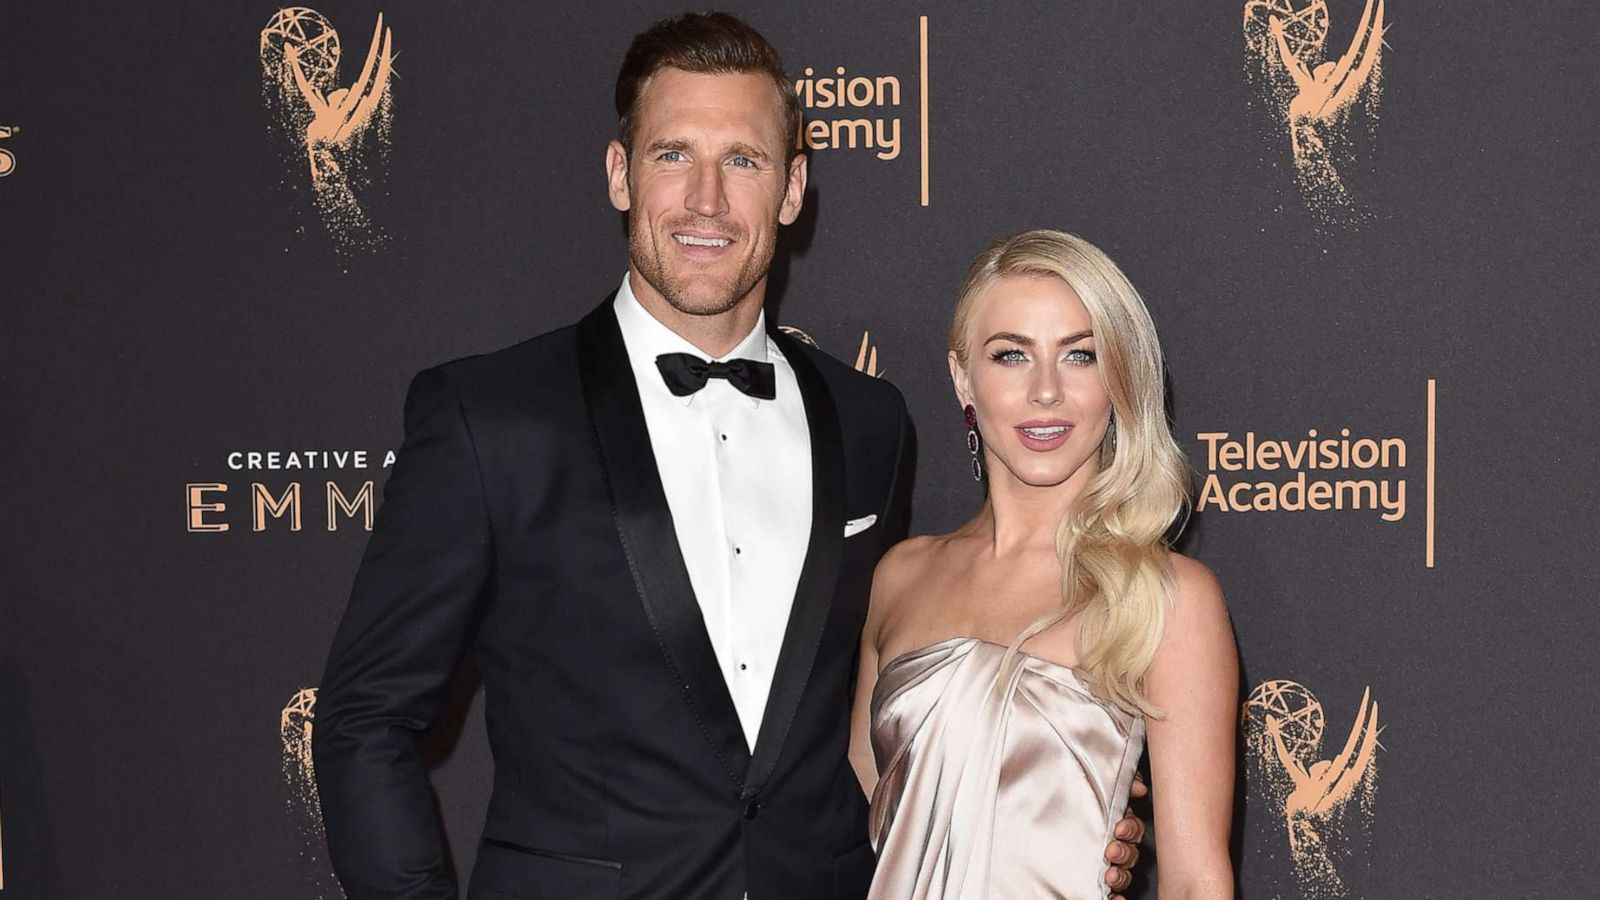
1123, 852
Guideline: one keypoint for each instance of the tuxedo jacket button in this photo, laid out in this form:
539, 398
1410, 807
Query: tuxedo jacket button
751, 808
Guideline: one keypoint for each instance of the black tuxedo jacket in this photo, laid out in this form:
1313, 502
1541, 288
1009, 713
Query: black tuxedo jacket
524, 523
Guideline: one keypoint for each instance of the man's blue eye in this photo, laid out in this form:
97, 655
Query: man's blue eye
744, 162
672, 156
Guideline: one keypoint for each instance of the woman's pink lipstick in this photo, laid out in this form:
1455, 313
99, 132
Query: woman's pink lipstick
1044, 435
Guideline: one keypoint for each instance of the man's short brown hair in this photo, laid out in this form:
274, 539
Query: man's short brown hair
712, 43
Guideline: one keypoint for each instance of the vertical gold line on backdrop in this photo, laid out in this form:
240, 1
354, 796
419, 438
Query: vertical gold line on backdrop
1431, 404
924, 84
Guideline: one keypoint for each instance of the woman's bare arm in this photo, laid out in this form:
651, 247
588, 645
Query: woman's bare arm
1194, 680
887, 582
861, 713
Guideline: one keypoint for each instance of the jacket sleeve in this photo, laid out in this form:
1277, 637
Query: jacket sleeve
423, 584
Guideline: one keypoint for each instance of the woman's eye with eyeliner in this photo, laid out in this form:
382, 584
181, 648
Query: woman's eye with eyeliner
1081, 356
1009, 357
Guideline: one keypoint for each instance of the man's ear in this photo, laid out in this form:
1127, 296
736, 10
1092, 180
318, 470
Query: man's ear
617, 176
794, 190
960, 380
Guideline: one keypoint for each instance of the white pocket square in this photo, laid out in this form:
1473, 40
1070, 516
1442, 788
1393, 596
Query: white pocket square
856, 526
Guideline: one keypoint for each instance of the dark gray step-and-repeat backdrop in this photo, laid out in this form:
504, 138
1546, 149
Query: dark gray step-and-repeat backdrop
1366, 231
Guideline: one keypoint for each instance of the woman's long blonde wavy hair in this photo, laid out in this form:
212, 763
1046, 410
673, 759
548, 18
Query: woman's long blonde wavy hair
1115, 573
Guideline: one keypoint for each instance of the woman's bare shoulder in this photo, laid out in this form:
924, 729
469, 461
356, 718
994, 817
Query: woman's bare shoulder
906, 560
1192, 577
903, 567
1197, 594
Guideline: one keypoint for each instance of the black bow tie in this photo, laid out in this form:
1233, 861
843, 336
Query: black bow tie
686, 373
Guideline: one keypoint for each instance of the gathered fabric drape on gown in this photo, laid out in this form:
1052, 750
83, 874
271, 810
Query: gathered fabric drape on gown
992, 791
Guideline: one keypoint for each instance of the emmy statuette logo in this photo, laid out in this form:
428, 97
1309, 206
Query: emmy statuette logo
294, 731
339, 135
1311, 94
1323, 804
8, 160
866, 357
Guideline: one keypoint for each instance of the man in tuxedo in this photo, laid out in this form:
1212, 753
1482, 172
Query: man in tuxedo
654, 531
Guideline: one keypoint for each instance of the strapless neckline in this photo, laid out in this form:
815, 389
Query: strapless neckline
936, 646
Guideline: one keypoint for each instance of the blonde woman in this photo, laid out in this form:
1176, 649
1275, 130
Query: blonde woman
1013, 670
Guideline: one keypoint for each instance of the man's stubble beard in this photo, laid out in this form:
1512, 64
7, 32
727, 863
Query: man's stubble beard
649, 259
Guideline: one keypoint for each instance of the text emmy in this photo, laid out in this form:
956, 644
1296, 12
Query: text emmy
209, 505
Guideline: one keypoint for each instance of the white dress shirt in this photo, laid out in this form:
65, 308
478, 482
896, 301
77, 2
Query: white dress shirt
737, 475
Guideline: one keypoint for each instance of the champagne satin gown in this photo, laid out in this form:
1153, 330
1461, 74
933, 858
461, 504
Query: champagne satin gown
991, 792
